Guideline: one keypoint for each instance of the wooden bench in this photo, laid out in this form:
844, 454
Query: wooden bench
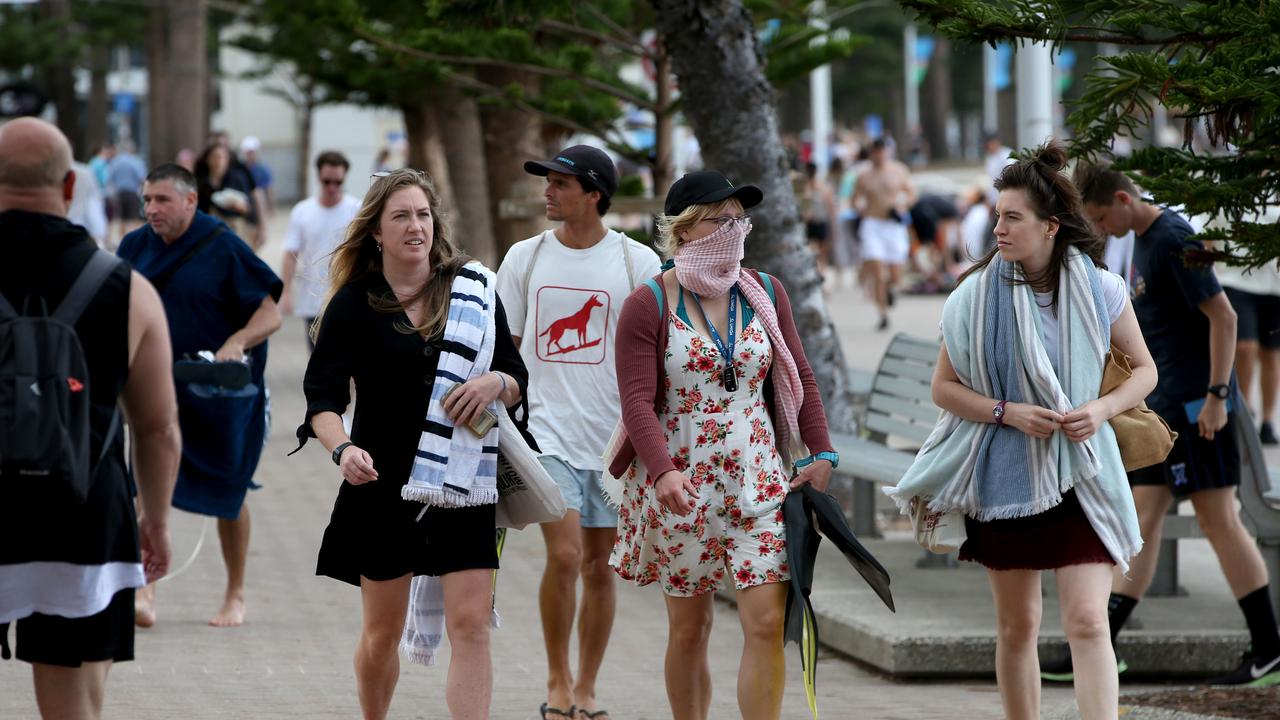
900, 414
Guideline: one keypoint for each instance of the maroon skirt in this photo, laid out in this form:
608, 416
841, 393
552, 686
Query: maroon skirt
1058, 537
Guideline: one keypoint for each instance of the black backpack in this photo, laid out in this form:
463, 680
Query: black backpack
44, 395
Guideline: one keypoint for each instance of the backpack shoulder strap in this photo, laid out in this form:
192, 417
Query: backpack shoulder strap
107, 439
92, 275
528, 271
7, 311
767, 281
658, 294
626, 258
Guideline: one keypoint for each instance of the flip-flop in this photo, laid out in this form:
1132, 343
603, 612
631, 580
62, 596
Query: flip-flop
590, 715
571, 713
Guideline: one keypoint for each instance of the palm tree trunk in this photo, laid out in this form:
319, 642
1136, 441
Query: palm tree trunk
730, 106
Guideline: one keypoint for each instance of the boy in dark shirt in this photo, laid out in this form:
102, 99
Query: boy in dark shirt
1190, 328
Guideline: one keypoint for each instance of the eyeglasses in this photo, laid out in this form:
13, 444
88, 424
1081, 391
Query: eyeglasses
721, 221
332, 182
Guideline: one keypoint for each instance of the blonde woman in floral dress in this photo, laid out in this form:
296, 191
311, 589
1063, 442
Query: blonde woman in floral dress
718, 402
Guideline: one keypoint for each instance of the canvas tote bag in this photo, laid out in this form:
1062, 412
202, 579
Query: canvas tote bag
526, 493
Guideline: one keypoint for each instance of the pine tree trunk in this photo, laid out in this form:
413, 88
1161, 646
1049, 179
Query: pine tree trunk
187, 100
510, 138
664, 124
59, 82
426, 152
159, 145
458, 118
730, 106
95, 131
937, 92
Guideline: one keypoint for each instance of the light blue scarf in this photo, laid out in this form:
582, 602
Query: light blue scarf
991, 328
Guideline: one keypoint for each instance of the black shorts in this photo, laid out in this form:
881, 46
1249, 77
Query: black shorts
70, 642
1258, 317
128, 205
1195, 463
816, 231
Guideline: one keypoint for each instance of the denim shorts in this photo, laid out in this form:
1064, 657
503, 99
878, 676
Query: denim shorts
581, 490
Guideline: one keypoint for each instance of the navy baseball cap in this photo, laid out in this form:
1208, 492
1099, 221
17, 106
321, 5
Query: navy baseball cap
591, 164
708, 186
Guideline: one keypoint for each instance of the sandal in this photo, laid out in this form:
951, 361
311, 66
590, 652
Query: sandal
570, 714
590, 715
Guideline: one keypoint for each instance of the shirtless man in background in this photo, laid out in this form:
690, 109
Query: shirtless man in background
882, 195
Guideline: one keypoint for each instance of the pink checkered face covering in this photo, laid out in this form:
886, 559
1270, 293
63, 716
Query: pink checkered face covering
709, 266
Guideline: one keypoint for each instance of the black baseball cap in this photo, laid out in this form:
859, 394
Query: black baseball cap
591, 164
708, 186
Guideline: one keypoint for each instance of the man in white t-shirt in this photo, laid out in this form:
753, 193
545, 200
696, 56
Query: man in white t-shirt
317, 226
563, 290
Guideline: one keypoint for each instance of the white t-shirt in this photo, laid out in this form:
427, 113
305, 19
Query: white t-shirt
314, 231
973, 233
567, 324
995, 163
1115, 293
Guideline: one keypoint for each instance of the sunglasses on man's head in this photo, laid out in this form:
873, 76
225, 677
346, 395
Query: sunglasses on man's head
386, 173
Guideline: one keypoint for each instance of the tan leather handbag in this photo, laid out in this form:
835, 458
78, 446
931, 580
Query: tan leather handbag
1144, 437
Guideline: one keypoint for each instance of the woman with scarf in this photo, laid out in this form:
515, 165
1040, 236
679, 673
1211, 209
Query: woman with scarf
1023, 447
718, 401
408, 319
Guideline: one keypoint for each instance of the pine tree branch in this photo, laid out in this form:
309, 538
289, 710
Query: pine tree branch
622, 32
975, 26
620, 43
543, 70
602, 132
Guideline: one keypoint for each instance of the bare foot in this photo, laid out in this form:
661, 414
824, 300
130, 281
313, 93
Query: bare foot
231, 614
144, 606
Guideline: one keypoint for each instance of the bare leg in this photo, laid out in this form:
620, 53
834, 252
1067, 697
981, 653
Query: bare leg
762, 673
1082, 593
595, 620
65, 693
1018, 611
1237, 552
895, 278
468, 599
1246, 361
874, 270
234, 536
1270, 366
377, 660
687, 673
557, 601
1152, 502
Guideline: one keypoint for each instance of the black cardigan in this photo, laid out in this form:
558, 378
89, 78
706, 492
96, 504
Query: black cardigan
393, 373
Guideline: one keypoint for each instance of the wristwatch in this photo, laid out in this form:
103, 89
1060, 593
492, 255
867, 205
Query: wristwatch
337, 452
997, 412
1220, 391
830, 456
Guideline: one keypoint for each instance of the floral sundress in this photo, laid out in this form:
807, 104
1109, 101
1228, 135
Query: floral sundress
724, 442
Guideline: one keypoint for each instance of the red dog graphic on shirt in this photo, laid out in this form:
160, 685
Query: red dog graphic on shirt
576, 322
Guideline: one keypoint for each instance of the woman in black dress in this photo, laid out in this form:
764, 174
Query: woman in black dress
391, 281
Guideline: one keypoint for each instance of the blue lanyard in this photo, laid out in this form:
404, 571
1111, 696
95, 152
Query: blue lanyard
729, 376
